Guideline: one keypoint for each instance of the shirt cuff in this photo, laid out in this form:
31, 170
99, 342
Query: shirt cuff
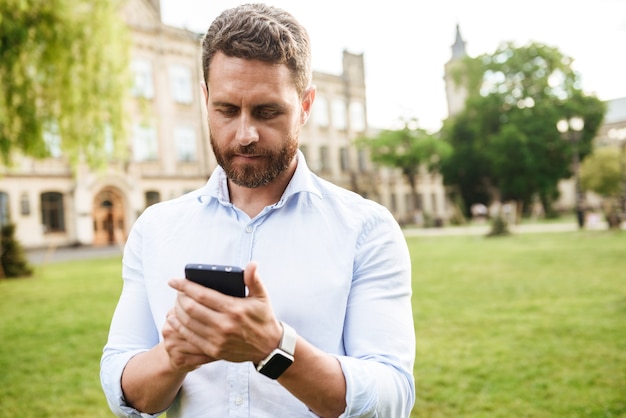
361, 390
112, 368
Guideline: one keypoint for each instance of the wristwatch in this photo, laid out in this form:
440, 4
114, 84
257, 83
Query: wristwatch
282, 357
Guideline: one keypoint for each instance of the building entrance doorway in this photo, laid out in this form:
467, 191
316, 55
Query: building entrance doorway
108, 218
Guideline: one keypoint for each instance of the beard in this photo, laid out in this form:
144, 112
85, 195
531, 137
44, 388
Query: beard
268, 165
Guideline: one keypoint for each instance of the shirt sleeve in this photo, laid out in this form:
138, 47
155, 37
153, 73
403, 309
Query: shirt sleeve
128, 338
379, 335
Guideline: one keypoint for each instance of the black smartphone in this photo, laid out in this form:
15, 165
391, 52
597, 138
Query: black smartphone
225, 279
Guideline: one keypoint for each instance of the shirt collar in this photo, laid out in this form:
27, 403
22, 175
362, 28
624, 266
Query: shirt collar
302, 181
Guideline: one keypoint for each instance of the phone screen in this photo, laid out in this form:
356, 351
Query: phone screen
225, 279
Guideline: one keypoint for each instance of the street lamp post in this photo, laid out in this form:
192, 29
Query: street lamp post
571, 129
619, 135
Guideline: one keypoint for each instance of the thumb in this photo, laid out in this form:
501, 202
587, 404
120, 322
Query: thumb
253, 281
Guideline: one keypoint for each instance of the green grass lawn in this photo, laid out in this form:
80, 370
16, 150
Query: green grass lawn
521, 326
52, 330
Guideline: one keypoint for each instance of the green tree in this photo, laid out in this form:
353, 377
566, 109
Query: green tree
407, 149
63, 77
601, 173
506, 146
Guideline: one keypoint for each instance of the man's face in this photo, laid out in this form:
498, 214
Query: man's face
255, 116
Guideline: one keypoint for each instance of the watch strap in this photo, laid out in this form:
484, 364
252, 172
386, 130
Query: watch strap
288, 340
282, 357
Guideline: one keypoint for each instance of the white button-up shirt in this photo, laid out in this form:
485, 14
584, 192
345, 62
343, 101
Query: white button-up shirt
336, 267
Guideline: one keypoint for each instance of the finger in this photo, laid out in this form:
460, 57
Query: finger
181, 332
175, 283
253, 281
196, 344
183, 355
190, 317
207, 297
186, 286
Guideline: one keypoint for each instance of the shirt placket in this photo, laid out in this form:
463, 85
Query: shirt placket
239, 373
239, 393
249, 234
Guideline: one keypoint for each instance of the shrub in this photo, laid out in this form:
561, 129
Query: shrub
13, 258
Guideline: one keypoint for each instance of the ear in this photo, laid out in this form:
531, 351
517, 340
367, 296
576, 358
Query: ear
307, 104
205, 90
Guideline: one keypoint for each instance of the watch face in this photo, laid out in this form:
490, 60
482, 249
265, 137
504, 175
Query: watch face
276, 365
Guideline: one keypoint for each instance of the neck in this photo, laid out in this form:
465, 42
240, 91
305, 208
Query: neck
252, 201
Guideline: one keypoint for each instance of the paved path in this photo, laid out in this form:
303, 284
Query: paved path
485, 228
52, 255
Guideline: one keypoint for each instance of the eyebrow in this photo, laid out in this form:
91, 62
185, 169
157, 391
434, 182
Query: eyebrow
222, 104
274, 105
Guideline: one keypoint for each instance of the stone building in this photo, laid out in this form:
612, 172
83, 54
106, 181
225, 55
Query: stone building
339, 117
170, 153
54, 206
613, 129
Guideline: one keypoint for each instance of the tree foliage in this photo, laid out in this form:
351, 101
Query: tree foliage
505, 142
63, 76
407, 149
601, 172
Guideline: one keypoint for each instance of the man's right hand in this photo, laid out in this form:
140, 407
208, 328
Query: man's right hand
184, 356
152, 379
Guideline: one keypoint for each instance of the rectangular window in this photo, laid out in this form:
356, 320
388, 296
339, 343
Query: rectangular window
185, 142
320, 112
408, 202
344, 159
180, 78
4, 208
52, 212
152, 197
145, 146
24, 205
143, 84
362, 160
324, 159
339, 115
357, 116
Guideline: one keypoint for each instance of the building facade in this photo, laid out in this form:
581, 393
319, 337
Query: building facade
169, 151
55, 205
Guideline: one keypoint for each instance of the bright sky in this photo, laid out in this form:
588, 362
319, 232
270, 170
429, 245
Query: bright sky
407, 42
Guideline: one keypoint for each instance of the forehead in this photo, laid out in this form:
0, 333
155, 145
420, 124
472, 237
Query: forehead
230, 76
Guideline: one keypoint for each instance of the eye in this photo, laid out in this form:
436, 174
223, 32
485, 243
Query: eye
267, 113
228, 111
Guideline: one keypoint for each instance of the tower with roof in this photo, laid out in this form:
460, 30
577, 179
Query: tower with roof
456, 92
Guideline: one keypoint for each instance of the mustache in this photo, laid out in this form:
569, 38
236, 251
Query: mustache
250, 149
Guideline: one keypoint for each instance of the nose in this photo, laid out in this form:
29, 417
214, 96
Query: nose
247, 132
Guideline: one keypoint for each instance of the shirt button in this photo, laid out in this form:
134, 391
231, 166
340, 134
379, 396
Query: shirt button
239, 400
248, 229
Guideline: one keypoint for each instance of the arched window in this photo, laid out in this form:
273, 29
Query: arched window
52, 212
